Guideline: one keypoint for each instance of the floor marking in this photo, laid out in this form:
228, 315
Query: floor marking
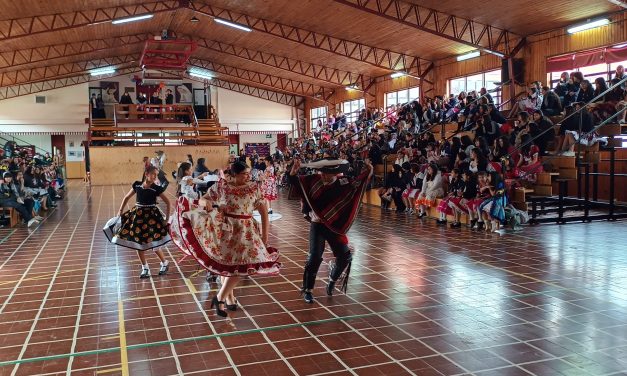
8, 236
110, 370
191, 286
85, 279
48, 290
121, 325
109, 338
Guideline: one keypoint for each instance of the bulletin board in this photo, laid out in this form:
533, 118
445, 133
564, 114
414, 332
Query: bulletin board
263, 149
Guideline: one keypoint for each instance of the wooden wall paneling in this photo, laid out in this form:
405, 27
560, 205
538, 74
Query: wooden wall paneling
541, 46
123, 165
75, 170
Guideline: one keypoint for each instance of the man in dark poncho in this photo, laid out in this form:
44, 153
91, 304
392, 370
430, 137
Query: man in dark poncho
330, 202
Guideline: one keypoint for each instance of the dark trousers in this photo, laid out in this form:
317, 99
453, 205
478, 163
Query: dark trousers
318, 235
11, 203
163, 179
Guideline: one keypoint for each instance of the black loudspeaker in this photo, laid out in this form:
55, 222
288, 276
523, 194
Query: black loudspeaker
519, 70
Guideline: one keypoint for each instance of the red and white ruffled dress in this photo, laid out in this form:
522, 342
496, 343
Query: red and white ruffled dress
227, 243
268, 186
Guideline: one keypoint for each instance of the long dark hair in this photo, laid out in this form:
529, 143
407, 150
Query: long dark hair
435, 169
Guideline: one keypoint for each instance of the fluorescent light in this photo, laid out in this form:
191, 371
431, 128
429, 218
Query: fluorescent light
622, 45
588, 25
467, 56
131, 19
398, 74
101, 71
232, 24
352, 87
200, 73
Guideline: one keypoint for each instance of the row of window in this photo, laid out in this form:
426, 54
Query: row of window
591, 72
469, 83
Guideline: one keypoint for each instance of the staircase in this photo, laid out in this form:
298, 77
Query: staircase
211, 133
562, 193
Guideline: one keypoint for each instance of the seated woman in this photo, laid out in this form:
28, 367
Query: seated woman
10, 198
575, 127
605, 106
586, 92
413, 187
529, 163
478, 161
35, 187
455, 190
431, 189
520, 128
492, 209
544, 132
482, 193
397, 184
459, 203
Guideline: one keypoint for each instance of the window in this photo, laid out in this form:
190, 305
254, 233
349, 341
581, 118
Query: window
318, 113
591, 72
487, 80
351, 109
402, 96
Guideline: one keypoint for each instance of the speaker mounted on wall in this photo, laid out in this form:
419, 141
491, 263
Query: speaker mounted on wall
519, 70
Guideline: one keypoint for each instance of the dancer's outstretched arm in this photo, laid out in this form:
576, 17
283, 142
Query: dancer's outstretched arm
128, 196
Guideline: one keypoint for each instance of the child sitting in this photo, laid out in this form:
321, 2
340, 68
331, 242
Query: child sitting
455, 189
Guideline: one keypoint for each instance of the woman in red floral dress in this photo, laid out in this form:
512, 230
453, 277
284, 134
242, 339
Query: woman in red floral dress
268, 185
228, 241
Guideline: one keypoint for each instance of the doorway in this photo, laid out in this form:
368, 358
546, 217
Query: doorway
58, 144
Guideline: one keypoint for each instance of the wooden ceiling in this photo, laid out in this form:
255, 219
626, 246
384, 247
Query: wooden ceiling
316, 45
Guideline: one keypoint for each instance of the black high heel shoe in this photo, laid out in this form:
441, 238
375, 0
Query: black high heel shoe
216, 303
232, 307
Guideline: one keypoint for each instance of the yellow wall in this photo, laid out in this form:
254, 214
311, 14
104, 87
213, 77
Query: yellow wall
123, 165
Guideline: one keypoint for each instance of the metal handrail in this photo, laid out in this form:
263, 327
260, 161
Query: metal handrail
4, 135
593, 100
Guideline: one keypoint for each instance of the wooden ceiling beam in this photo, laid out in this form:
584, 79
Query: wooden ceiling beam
316, 71
52, 72
274, 82
13, 60
58, 83
481, 36
378, 57
21, 27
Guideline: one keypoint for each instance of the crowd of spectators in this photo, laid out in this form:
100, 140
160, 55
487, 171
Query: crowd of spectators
30, 184
489, 155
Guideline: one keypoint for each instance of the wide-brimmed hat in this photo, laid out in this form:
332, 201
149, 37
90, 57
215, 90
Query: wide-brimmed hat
329, 165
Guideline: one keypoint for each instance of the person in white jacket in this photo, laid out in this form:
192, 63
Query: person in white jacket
431, 189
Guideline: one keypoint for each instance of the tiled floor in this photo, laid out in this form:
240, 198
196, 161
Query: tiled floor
422, 300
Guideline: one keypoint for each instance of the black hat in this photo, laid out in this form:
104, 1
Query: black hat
7, 175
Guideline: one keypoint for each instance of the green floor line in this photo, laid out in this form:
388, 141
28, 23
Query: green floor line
8, 236
241, 332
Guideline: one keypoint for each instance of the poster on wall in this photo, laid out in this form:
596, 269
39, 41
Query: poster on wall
184, 93
110, 91
263, 149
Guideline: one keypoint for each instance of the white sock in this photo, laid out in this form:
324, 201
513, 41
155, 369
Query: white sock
145, 266
164, 263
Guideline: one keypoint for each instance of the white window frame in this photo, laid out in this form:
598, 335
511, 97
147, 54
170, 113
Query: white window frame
351, 109
318, 113
412, 93
496, 96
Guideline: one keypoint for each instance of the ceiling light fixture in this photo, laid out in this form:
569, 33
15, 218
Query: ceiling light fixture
194, 19
352, 87
200, 73
588, 25
232, 24
622, 45
131, 19
102, 71
467, 56
398, 74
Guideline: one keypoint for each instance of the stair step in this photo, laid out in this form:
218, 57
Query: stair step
568, 173
609, 130
543, 190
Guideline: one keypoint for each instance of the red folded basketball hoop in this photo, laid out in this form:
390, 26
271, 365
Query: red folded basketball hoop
167, 54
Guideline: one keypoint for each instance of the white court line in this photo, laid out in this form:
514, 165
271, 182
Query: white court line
85, 279
19, 282
43, 303
202, 310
